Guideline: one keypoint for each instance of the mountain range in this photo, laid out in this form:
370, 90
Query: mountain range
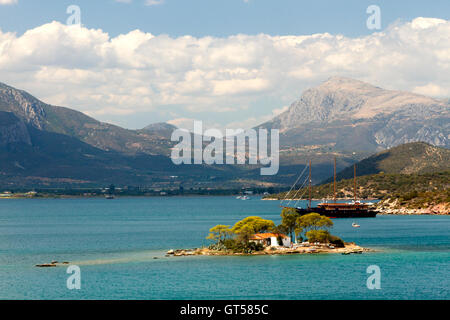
45, 145
48, 146
347, 114
61, 120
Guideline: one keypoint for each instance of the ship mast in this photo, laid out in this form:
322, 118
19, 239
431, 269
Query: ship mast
309, 183
354, 180
334, 185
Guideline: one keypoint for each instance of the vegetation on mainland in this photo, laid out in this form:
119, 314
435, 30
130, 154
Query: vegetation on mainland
413, 192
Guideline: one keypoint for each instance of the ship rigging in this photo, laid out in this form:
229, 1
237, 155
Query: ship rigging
354, 209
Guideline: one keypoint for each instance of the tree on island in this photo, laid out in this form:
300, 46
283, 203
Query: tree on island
219, 233
247, 227
313, 225
254, 225
238, 237
317, 229
314, 221
289, 217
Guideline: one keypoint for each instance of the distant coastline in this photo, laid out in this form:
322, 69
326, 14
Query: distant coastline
395, 207
268, 198
51, 196
130, 192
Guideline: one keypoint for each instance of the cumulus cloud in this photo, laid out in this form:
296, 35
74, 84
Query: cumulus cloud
256, 120
8, 2
139, 72
153, 2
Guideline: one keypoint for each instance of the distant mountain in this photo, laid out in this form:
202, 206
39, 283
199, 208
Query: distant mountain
162, 129
66, 121
32, 157
409, 158
347, 114
13, 130
48, 146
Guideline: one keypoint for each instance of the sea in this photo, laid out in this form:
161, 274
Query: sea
120, 248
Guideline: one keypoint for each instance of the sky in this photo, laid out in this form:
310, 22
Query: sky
229, 63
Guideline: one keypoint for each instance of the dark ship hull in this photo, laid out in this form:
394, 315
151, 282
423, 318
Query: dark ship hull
340, 212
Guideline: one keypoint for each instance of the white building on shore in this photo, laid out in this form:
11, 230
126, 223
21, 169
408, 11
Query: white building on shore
272, 239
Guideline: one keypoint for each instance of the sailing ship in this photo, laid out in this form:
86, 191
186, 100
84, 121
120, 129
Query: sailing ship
354, 209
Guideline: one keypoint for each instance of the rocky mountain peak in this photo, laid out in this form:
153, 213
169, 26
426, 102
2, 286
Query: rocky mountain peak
23, 105
162, 129
341, 98
159, 126
348, 84
369, 116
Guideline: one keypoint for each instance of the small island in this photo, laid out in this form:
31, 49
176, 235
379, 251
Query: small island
307, 234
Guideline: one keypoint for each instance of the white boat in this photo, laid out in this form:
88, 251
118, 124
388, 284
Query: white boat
355, 225
245, 198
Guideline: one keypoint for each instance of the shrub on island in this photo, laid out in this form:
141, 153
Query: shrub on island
336, 241
321, 236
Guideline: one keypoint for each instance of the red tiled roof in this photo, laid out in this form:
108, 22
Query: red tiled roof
262, 236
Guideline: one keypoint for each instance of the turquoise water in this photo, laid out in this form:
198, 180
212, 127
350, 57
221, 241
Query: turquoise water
115, 241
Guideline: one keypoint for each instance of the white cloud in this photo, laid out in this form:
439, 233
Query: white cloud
153, 2
431, 89
251, 122
211, 77
147, 2
425, 23
188, 124
8, 2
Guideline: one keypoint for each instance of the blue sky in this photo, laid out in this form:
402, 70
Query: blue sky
221, 17
230, 63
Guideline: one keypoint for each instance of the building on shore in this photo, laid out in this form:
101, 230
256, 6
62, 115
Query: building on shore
272, 239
